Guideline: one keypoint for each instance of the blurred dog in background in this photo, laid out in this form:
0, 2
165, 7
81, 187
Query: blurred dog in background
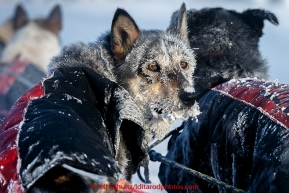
34, 41
29, 45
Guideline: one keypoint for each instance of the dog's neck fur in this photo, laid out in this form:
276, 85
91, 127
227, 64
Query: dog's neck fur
32, 44
96, 56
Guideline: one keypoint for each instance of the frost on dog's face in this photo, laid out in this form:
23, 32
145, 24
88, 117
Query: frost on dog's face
157, 68
162, 76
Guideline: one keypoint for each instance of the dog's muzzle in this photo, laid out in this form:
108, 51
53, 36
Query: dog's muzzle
188, 98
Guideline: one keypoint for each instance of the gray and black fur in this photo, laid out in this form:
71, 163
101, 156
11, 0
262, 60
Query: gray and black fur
226, 44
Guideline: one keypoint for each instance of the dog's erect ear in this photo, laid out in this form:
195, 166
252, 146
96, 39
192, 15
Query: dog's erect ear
255, 19
54, 20
178, 23
20, 18
124, 33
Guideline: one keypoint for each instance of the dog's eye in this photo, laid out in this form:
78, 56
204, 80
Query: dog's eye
154, 66
184, 65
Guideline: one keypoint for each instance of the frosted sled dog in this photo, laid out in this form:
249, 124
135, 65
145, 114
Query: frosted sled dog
241, 136
100, 106
156, 67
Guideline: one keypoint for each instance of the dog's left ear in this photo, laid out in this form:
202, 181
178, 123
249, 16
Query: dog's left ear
124, 33
178, 23
54, 20
20, 18
255, 19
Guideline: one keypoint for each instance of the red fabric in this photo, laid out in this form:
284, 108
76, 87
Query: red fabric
269, 97
10, 181
8, 74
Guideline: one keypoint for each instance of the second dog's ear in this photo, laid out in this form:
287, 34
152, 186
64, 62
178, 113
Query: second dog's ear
178, 23
124, 33
255, 19
20, 18
54, 20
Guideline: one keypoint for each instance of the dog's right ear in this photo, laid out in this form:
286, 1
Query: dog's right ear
54, 20
178, 24
255, 19
124, 33
20, 18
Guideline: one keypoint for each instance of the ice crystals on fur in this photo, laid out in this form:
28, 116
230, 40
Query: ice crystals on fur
156, 93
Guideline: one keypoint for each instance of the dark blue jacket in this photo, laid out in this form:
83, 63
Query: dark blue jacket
73, 117
241, 137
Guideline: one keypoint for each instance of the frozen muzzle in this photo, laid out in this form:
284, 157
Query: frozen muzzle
178, 103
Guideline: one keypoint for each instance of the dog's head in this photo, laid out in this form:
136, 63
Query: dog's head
34, 41
156, 67
52, 23
226, 45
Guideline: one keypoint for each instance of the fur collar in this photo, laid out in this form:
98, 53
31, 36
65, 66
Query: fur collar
95, 56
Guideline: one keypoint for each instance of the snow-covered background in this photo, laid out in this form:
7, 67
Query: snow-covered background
85, 20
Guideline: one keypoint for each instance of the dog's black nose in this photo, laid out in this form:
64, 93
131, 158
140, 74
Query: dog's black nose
188, 98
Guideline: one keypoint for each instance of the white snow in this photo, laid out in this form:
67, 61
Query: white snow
97, 178
69, 97
190, 89
85, 20
55, 84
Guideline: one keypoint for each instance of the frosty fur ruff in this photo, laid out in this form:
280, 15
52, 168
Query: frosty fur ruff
156, 67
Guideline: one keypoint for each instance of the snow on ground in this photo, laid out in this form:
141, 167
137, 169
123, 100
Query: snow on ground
85, 20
